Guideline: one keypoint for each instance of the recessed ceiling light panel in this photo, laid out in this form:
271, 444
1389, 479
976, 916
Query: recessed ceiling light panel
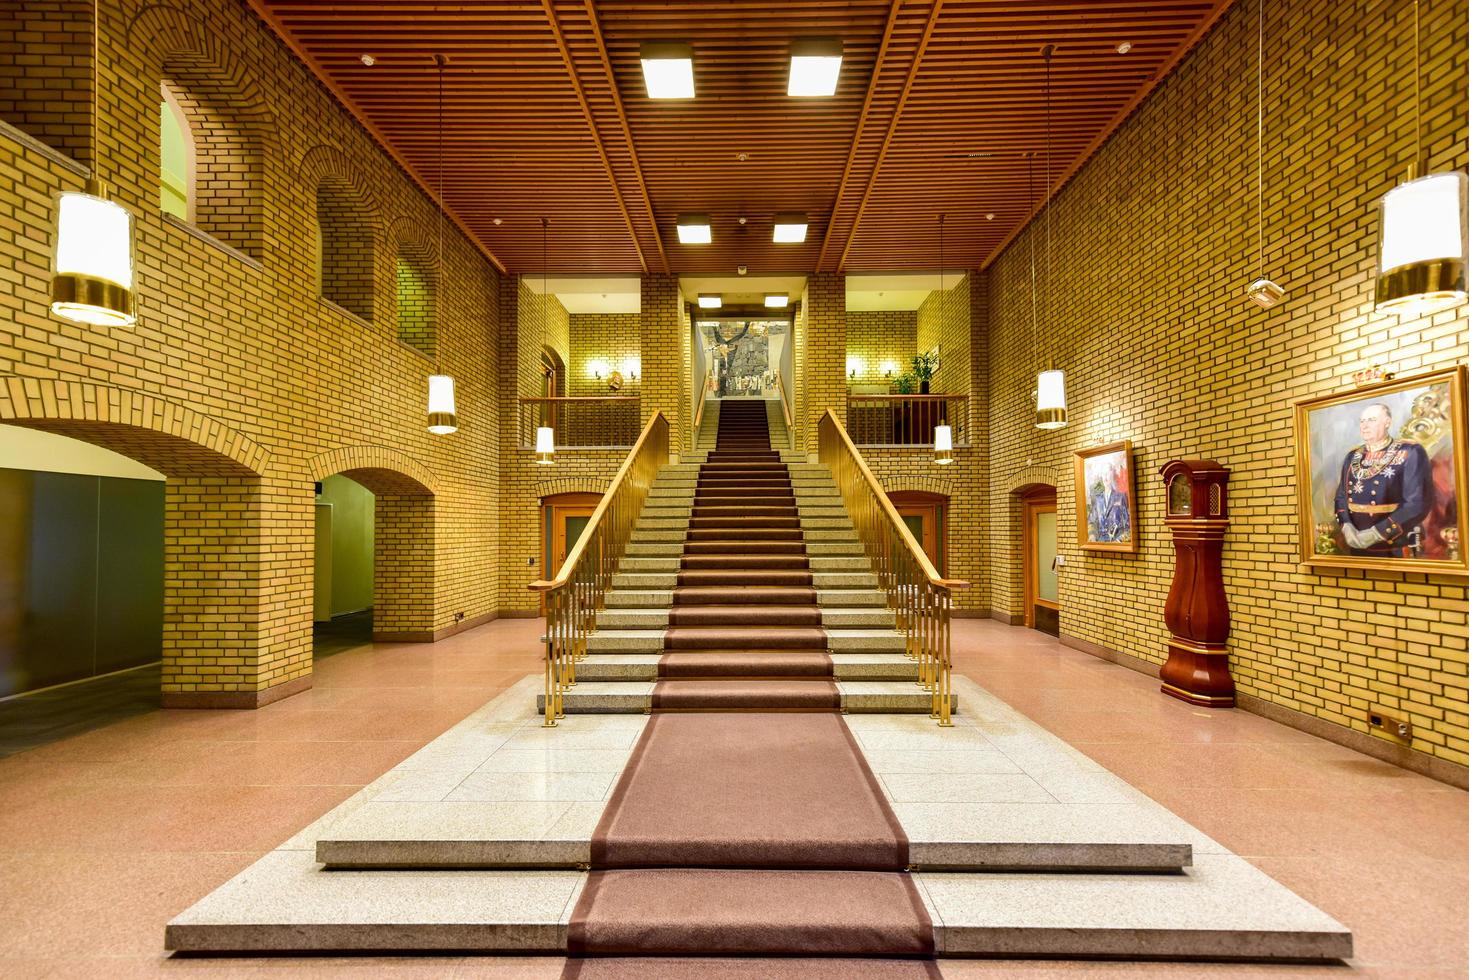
790, 226
668, 69
710, 301
777, 301
693, 229
815, 65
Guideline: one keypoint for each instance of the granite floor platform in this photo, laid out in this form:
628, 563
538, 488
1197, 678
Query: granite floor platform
994, 792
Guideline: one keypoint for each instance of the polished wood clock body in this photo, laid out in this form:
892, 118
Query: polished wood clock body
1197, 611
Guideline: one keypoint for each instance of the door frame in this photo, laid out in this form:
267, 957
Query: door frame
933, 509
553, 510
1039, 500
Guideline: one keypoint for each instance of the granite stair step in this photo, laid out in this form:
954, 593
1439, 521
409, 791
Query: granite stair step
636, 697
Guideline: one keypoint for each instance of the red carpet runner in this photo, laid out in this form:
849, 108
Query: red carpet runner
747, 829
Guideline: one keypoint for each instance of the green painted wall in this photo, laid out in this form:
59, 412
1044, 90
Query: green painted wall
352, 526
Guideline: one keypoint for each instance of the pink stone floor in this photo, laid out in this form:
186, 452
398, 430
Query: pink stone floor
106, 836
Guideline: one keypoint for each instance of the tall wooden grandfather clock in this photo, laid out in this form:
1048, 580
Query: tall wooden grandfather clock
1197, 612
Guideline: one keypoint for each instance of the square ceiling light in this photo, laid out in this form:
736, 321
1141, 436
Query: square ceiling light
815, 65
710, 301
777, 301
668, 69
693, 229
790, 227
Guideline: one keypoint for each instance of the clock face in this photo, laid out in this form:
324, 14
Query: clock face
1180, 496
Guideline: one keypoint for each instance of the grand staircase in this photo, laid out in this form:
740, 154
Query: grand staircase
745, 586
746, 782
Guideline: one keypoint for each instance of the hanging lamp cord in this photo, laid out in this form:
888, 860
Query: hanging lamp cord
1419, 169
1050, 199
1260, 137
1035, 343
441, 60
96, 88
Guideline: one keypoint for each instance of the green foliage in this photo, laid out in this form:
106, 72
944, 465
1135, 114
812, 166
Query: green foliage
904, 384
924, 365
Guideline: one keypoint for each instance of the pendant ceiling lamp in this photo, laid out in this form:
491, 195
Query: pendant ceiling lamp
1263, 291
943, 435
1425, 232
92, 275
1050, 383
545, 435
442, 419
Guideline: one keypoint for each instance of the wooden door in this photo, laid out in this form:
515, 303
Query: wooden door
1042, 588
563, 517
924, 513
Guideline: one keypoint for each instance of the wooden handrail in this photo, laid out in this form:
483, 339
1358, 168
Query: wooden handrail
582, 398
699, 407
785, 407
853, 397
914, 549
564, 574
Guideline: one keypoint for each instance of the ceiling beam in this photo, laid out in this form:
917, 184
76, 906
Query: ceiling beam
264, 13
887, 140
1105, 133
882, 50
581, 96
632, 150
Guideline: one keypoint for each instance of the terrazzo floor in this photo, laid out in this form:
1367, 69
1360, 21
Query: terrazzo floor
107, 835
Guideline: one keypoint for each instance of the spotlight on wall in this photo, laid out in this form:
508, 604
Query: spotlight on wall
815, 65
1264, 293
777, 301
693, 229
545, 446
710, 301
790, 226
668, 69
441, 417
943, 444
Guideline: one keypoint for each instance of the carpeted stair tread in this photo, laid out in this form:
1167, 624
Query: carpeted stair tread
741, 615
745, 664
781, 595
744, 561
743, 577
747, 968
748, 790
738, 637
717, 912
753, 545
745, 694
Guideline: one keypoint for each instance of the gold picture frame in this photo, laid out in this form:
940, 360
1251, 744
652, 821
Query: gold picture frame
1106, 498
1407, 493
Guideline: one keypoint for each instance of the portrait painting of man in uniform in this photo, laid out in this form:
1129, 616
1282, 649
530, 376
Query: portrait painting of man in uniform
1379, 473
1105, 519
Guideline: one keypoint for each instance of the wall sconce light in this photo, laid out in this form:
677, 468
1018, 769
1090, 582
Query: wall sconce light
632, 368
545, 446
597, 368
855, 366
943, 445
888, 368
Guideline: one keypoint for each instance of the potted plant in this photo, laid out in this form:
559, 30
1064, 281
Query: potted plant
924, 366
902, 414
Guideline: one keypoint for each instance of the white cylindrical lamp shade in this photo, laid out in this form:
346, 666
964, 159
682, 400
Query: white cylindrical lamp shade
92, 281
545, 445
441, 417
1050, 399
943, 444
1425, 245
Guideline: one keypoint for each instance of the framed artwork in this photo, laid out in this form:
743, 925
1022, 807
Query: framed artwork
1379, 474
1106, 506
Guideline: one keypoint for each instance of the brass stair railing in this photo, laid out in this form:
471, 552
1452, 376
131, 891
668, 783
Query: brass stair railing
580, 588
920, 598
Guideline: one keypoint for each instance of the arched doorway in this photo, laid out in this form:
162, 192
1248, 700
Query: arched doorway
223, 643
403, 546
1040, 593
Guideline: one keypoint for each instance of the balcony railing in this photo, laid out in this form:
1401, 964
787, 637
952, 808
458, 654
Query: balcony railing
580, 586
920, 598
602, 422
906, 420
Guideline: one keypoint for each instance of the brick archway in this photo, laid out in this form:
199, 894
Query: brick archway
221, 647
403, 535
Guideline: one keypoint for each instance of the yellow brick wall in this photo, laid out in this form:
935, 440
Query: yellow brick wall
237, 376
943, 322
875, 336
45, 72
614, 339
820, 355
1153, 245
664, 342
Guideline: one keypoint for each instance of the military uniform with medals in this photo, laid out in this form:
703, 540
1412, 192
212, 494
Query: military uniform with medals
1383, 497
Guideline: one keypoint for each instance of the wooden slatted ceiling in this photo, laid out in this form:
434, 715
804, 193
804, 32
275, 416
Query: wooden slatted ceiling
938, 105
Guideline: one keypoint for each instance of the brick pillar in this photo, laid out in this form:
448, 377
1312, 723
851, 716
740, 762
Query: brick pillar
822, 349
664, 338
403, 567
